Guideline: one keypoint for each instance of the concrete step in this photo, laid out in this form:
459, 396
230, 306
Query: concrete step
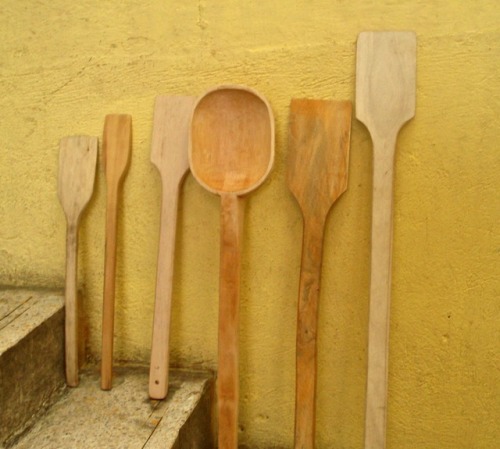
38, 411
31, 356
87, 417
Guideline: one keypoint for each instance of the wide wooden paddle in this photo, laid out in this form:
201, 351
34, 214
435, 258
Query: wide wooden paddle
231, 152
169, 153
317, 169
385, 101
117, 142
77, 165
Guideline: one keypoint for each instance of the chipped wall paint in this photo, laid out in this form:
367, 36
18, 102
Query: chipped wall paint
64, 65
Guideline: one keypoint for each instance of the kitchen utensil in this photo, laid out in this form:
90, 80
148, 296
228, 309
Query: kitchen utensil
385, 101
317, 175
77, 165
116, 151
169, 153
231, 152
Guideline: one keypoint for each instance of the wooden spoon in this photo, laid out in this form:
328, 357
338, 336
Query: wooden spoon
169, 153
231, 152
116, 151
77, 164
317, 175
385, 101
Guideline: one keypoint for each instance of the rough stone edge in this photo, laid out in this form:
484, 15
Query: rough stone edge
51, 396
168, 434
45, 305
55, 396
197, 431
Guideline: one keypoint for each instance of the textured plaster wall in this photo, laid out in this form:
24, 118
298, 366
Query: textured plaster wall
64, 65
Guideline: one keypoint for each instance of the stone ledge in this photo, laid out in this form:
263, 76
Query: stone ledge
87, 417
31, 355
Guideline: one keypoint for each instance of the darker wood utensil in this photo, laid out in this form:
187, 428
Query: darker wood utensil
77, 165
316, 175
385, 101
116, 151
231, 152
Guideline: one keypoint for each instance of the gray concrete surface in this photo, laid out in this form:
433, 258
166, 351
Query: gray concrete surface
31, 355
125, 418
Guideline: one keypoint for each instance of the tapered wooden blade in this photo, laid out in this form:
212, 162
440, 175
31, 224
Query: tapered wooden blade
117, 140
77, 166
318, 153
385, 80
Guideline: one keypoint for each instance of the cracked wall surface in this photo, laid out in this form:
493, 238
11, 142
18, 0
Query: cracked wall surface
64, 65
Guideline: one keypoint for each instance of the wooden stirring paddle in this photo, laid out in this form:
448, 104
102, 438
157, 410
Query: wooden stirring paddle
169, 153
231, 152
77, 164
116, 151
385, 101
317, 169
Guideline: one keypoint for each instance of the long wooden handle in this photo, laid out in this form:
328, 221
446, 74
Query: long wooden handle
158, 374
71, 306
307, 324
380, 294
108, 312
229, 294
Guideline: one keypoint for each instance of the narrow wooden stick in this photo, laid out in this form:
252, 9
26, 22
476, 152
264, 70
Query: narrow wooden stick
227, 381
307, 325
116, 148
380, 301
71, 307
108, 311
158, 373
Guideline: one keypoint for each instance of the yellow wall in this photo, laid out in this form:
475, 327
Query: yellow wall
65, 64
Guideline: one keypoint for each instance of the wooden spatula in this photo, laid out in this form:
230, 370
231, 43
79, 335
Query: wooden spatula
317, 175
116, 151
77, 164
169, 153
385, 100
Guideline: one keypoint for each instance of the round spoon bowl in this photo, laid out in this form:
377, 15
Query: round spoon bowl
232, 140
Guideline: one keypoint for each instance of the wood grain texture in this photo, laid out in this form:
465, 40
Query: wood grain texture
77, 167
385, 101
117, 142
235, 158
231, 213
169, 153
317, 170
231, 151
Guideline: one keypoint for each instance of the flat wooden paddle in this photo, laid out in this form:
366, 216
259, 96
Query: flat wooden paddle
317, 169
77, 165
385, 101
231, 152
169, 153
117, 142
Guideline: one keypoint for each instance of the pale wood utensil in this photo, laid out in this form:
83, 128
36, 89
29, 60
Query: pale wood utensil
385, 101
117, 142
317, 169
77, 165
169, 153
231, 152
